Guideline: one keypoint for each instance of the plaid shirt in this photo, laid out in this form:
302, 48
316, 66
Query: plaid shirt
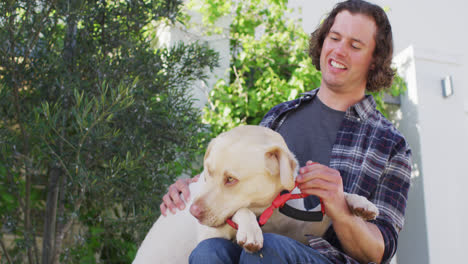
373, 159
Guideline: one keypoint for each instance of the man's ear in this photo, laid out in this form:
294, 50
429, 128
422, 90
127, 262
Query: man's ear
287, 165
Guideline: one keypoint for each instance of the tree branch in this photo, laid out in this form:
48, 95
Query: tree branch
50, 215
17, 104
5, 251
65, 229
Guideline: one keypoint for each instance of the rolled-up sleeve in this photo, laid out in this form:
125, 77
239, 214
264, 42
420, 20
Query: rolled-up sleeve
391, 197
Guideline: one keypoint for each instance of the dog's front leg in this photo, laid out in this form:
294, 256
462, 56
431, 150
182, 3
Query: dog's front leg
249, 235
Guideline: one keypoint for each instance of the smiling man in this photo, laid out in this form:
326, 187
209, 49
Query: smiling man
345, 60
353, 147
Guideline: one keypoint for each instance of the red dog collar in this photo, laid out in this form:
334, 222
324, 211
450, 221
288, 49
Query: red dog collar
279, 201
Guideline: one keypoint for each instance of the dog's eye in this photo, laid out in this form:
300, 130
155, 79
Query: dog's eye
230, 180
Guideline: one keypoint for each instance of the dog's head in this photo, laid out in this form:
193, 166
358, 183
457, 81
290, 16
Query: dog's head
245, 167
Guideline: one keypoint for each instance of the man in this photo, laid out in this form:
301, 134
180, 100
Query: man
354, 148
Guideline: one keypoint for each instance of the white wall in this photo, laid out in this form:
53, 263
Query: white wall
168, 35
434, 127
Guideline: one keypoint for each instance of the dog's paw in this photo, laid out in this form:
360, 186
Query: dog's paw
250, 237
360, 206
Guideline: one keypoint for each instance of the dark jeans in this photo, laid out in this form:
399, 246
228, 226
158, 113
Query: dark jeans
276, 249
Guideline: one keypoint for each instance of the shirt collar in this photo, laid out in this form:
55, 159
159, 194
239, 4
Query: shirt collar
363, 108
310, 94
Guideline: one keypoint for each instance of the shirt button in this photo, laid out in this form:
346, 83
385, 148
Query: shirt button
359, 119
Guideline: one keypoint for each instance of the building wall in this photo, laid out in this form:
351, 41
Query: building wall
443, 141
435, 129
168, 35
414, 237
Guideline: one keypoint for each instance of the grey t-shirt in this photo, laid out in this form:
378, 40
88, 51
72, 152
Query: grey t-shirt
310, 132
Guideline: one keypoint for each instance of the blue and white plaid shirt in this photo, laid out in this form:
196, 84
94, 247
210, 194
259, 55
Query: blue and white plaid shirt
374, 161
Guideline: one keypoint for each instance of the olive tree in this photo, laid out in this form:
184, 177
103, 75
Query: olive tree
94, 124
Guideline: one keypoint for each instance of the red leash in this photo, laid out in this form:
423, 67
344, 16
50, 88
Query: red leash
279, 201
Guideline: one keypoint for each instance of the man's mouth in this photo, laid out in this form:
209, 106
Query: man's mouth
337, 65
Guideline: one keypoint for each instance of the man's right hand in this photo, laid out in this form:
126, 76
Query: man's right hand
171, 200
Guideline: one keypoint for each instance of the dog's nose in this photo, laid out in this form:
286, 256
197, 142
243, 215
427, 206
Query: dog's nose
196, 211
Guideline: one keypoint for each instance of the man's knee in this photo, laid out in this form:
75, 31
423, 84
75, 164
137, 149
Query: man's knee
274, 241
281, 249
215, 250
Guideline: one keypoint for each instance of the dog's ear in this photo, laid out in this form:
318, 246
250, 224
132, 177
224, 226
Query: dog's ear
287, 164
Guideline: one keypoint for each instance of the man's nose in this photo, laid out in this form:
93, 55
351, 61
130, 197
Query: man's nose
341, 49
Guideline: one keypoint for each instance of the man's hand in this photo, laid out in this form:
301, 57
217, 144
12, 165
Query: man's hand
360, 239
326, 183
171, 200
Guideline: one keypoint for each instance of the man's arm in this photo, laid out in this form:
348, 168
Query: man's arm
360, 239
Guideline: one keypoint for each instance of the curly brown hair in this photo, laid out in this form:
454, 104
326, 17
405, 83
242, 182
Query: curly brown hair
380, 76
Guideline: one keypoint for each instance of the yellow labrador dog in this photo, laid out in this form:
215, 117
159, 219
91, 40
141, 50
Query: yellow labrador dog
244, 170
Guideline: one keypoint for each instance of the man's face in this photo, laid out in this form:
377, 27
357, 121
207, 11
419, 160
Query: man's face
347, 52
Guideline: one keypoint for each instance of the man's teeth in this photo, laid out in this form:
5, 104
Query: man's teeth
337, 65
